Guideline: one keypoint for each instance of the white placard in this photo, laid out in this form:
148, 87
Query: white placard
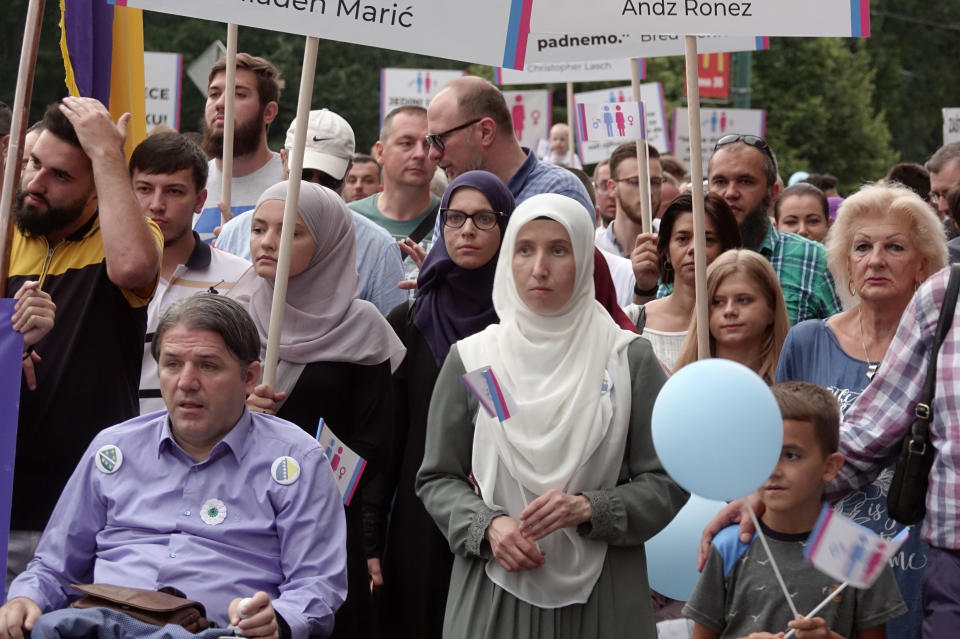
579, 71
161, 79
552, 47
494, 33
651, 93
532, 113
619, 121
951, 125
714, 124
401, 87
842, 18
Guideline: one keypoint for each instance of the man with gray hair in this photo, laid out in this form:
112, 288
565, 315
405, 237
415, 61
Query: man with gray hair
404, 208
944, 168
237, 510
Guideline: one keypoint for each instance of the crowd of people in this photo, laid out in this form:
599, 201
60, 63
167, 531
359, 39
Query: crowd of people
154, 451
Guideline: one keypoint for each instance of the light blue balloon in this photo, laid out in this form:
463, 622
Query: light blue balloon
717, 429
672, 553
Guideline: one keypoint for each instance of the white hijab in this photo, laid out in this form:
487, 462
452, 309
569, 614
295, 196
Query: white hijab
569, 430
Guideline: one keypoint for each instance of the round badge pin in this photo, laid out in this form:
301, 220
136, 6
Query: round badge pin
214, 511
108, 459
285, 470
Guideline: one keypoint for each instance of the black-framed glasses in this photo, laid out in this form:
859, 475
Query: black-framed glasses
749, 140
655, 182
436, 139
483, 220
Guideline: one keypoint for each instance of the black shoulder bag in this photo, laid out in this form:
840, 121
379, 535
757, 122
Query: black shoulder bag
906, 501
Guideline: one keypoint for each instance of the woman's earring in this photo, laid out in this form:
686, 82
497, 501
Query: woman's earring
667, 266
850, 287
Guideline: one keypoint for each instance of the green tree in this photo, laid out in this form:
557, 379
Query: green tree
818, 94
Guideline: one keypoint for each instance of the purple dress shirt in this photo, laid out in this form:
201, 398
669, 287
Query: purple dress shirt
153, 522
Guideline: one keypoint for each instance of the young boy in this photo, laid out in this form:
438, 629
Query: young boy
738, 593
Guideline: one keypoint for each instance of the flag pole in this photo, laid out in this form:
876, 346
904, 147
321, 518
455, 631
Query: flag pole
696, 177
230, 91
570, 122
282, 277
18, 126
643, 154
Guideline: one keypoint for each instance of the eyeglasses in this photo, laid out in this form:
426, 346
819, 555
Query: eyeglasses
436, 139
749, 140
935, 197
483, 220
655, 182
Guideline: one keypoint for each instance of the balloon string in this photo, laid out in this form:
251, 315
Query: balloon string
773, 562
820, 606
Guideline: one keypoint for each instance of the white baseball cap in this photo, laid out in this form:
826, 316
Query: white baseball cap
330, 143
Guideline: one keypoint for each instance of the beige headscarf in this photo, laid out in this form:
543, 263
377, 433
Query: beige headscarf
323, 320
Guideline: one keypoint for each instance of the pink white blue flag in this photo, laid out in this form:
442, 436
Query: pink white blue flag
848, 551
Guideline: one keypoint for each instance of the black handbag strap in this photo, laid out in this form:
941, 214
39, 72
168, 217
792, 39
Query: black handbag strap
924, 413
426, 225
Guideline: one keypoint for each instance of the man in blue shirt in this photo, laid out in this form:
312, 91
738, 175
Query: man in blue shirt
470, 127
207, 497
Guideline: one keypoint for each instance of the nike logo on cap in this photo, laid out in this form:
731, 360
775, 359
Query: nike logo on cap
316, 139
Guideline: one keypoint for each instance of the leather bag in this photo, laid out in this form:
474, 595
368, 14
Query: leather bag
150, 606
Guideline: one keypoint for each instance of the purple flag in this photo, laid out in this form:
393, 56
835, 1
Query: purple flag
11, 348
88, 31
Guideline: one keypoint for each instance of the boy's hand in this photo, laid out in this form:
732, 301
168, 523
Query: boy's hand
812, 628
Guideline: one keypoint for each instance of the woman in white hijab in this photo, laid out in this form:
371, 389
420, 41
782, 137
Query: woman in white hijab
547, 511
336, 357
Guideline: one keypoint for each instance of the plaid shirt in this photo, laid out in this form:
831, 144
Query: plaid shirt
879, 419
806, 282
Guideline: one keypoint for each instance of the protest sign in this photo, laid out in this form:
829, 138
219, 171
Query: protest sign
428, 27
843, 18
579, 71
11, 348
402, 87
651, 94
553, 47
951, 125
714, 124
848, 551
713, 72
347, 466
161, 74
610, 121
532, 115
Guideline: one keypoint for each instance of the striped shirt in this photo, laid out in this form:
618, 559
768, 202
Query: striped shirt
879, 419
207, 270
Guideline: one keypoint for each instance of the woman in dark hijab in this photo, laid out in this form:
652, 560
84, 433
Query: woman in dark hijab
453, 301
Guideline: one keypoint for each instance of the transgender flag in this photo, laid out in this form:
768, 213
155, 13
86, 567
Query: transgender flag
102, 47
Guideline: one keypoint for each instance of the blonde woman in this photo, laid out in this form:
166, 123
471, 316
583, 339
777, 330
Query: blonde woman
747, 314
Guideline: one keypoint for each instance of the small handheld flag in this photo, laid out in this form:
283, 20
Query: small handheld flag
848, 551
347, 466
493, 397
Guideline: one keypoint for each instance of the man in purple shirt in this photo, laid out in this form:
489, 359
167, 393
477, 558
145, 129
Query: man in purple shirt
206, 497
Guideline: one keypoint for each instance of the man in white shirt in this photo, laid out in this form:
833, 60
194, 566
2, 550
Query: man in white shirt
255, 166
168, 173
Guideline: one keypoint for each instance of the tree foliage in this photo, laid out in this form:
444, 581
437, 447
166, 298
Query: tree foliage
818, 93
848, 107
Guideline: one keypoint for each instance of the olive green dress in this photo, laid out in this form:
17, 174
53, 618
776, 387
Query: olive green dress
643, 502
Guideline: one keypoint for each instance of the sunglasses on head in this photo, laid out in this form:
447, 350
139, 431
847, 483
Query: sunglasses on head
749, 140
